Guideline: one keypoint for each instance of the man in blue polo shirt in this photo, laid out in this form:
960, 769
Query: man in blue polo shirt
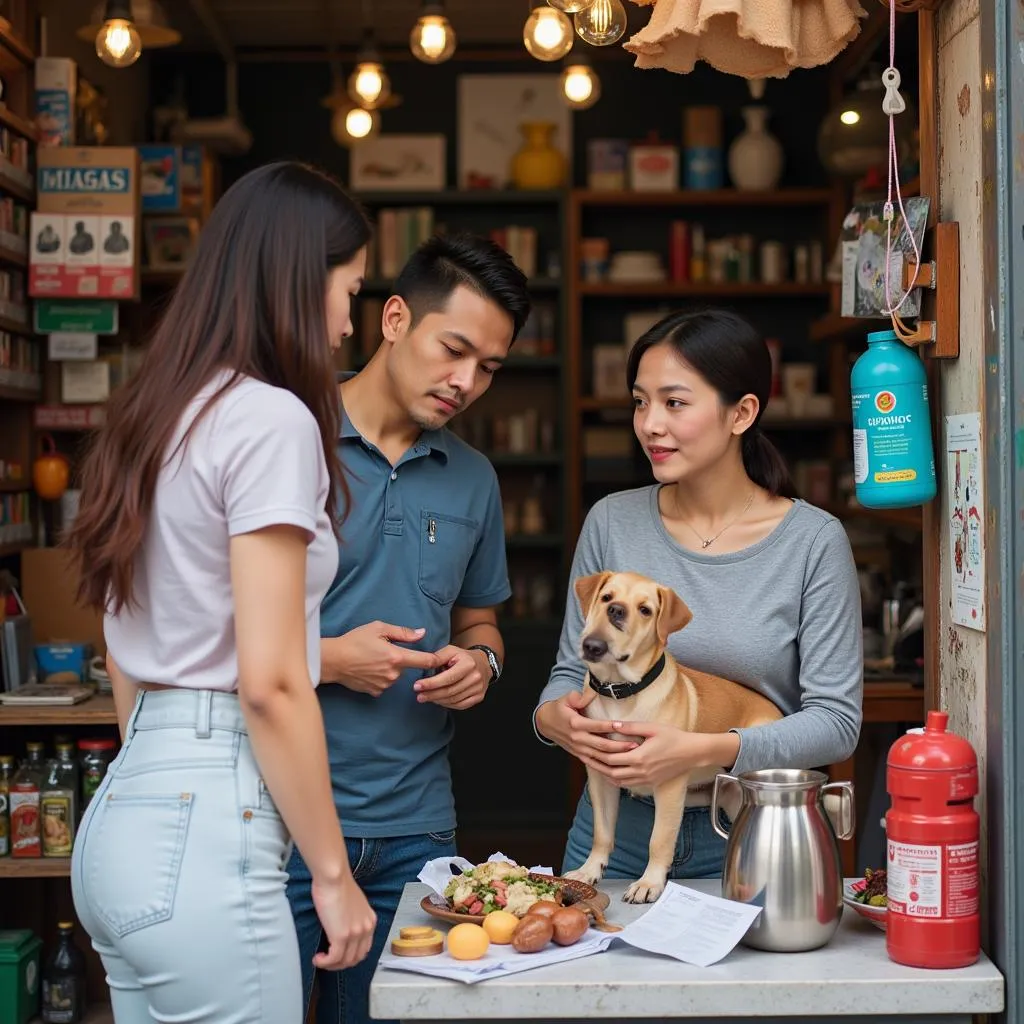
409, 624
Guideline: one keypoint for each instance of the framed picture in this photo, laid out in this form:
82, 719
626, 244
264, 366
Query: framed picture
398, 163
169, 242
491, 110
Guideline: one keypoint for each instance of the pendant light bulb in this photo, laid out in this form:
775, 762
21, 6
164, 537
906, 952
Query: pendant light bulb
602, 23
570, 6
580, 86
547, 34
350, 125
118, 43
369, 85
432, 39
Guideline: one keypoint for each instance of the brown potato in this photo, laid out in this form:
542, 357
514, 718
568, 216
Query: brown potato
569, 924
532, 934
543, 908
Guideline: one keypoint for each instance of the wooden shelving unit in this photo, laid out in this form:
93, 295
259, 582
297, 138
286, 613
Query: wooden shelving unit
35, 867
97, 1014
17, 65
98, 710
641, 220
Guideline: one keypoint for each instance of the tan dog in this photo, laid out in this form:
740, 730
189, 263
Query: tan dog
633, 678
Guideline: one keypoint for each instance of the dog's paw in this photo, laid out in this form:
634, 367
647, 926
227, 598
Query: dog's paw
590, 873
643, 891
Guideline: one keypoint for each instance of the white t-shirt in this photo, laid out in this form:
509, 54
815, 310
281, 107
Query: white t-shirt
254, 460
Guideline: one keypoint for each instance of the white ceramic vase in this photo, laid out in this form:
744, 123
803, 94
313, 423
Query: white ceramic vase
755, 157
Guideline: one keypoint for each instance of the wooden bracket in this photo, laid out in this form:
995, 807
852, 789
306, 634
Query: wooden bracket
939, 279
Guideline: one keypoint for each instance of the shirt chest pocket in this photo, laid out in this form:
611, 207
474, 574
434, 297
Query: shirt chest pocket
446, 546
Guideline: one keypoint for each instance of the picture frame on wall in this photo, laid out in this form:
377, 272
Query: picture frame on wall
169, 242
393, 163
491, 109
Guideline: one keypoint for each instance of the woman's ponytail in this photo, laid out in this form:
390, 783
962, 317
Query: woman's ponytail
765, 465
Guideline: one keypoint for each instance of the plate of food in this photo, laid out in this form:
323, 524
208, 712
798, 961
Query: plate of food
867, 896
498, 885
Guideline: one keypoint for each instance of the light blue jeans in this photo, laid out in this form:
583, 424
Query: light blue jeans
178, 872
700, 851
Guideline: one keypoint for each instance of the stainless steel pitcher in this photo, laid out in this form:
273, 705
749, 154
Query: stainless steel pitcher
783, 855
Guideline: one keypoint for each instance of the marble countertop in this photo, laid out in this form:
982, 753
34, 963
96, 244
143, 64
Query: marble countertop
851, 976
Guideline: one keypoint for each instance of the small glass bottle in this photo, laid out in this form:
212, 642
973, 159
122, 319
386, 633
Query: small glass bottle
6, 774
64, 981
58, 804
24, 803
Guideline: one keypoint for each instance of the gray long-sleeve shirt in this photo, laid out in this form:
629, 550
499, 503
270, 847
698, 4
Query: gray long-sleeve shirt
782, 617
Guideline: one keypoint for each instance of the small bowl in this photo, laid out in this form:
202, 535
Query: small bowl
876, 915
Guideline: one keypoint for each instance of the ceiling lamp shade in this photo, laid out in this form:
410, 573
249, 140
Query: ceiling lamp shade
747, 38
147, 16
854, 135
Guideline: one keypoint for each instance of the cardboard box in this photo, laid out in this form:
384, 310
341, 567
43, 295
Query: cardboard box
85, 232
50, 585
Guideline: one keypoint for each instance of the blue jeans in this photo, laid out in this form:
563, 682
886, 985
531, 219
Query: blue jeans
700, 851
178, 871
382, 867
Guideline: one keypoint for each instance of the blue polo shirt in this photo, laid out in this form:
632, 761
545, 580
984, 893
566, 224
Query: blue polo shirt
420, 537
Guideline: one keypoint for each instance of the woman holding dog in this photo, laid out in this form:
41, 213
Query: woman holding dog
770, 581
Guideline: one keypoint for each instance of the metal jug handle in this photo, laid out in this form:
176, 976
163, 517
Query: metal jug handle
841, 816
719, 778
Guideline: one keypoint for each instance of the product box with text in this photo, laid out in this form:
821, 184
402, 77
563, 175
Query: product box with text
84, 234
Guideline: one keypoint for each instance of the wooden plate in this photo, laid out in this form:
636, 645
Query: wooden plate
572, 891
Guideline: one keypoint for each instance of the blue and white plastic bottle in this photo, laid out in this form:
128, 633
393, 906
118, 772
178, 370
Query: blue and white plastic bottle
893, 454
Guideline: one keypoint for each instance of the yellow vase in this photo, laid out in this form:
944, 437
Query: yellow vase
538, 164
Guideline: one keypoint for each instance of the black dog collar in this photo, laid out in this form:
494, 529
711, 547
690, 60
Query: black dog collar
619, 691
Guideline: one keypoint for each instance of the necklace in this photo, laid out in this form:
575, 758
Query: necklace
706, 542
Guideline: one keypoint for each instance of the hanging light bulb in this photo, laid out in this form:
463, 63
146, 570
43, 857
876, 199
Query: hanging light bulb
580, 86
351, 124
118, 42
369, 85
570, 6
547, 34
432, 39
602, 23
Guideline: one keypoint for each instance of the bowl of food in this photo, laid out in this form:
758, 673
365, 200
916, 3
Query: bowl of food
499, 885
867, 897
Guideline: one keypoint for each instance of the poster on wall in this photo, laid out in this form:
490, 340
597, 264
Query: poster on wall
966, 503
491, 110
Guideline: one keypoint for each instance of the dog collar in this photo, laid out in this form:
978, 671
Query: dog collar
619, 691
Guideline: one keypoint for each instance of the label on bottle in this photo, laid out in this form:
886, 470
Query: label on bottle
91, 779
5, 825
962, 880
58, 824
892, 435
25, 823
62, 1002
914, 879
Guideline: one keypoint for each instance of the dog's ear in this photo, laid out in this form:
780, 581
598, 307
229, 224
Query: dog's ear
588, 587
672, 615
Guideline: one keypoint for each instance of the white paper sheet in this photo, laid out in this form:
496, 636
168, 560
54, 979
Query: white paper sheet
690, 926
684, 924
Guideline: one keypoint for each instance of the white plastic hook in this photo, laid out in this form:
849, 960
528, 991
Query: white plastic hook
893, 102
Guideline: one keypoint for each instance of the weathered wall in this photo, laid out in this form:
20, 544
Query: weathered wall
962, 659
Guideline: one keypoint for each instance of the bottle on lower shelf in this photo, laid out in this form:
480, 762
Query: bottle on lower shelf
64, 981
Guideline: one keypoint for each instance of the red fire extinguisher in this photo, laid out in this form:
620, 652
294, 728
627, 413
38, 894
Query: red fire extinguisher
932, 829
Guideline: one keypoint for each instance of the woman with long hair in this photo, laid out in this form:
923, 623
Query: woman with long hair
206, 535
770, 580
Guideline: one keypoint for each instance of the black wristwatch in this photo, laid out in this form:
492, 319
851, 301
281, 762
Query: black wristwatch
492, 660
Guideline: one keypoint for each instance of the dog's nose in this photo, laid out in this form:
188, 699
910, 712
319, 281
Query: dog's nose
616, 613
594, 649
